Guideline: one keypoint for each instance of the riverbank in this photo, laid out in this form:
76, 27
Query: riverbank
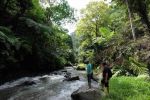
129, 88
7, 75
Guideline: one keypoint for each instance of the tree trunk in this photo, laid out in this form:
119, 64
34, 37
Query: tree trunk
143, 13
131, 23
96, 29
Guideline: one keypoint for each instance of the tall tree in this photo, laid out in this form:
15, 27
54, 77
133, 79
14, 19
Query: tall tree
140, 7
131, 23
93, 28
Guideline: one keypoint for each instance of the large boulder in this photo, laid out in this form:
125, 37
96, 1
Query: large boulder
84, 93
70, 76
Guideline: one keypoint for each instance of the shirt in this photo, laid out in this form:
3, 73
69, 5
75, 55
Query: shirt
89, 69
107, 70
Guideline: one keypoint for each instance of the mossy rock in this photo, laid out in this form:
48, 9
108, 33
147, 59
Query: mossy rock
81, 66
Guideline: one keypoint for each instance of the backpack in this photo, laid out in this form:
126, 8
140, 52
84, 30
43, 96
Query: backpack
108, 70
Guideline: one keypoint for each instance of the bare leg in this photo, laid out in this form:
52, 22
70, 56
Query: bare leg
89, 84
107, 90
102, 87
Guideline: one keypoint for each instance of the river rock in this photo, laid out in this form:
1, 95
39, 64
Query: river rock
43, 78
67, 75
27, 83
64, 71
72, 78
84, 93
55, 73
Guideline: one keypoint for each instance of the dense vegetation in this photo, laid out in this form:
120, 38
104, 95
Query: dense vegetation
32, 38
33, 41
117, 33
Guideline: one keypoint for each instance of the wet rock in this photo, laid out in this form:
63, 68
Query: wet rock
64, 71
55, 73
27, 83
72, 78
43, 78
84, 93
67, 75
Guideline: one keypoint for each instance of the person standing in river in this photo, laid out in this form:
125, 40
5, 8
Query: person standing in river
106, 75
89, 70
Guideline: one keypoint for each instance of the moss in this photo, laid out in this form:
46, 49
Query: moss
81, 66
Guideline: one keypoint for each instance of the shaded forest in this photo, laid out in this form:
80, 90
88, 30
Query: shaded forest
32, 39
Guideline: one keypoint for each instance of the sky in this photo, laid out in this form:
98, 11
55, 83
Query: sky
78, 5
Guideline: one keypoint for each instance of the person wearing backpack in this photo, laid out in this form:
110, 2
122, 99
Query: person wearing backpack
89, 70
106, 75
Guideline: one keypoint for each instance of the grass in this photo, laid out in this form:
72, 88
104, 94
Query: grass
128, 88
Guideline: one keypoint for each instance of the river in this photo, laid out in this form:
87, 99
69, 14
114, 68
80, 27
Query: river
47, 87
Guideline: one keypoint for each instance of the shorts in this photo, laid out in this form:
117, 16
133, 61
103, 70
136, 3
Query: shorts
106, 84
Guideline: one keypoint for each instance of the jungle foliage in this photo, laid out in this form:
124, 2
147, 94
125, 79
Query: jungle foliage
117, 33
32, 38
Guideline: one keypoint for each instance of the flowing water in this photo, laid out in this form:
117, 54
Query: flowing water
47, 87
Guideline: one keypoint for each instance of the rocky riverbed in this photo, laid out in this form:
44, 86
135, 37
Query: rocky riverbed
53, 86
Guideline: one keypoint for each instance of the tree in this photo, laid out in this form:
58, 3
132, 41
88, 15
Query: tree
140, 7
131, 23
27, 39
59, 12
94, 17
